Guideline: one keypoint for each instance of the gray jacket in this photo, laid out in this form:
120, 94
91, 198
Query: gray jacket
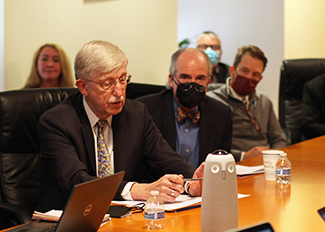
245, 135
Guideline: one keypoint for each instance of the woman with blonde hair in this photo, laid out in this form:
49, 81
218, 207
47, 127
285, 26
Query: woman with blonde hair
50, 68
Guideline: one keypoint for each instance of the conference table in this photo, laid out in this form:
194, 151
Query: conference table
286, 209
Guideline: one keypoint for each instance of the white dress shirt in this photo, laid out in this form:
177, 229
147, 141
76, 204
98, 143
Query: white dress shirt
108, 137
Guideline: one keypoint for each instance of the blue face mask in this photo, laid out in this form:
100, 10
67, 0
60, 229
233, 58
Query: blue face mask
212, 54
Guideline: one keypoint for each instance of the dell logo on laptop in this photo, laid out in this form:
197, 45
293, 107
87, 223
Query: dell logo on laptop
88, 209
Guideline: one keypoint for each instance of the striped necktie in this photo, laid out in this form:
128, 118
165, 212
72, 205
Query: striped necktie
104, 157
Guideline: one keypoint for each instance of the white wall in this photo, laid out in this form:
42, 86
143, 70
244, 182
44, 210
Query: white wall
239, 23
304, 29
146, 30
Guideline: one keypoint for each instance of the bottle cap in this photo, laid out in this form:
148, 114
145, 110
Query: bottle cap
154, 193
283, 154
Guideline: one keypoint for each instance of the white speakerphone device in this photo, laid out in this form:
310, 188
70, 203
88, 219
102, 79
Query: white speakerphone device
219, 208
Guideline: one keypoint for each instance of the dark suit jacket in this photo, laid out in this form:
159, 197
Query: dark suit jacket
68, 149
215, 122
313, 108
222, 74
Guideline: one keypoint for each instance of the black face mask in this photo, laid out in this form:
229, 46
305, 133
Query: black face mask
190, 94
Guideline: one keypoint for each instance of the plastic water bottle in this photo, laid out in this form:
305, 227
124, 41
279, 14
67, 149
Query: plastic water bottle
154, 211
283, 170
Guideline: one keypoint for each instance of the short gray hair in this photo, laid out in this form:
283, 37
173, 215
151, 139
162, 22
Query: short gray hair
209, 33
98, 57
172, 68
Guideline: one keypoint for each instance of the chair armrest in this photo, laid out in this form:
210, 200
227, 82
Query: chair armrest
14, 213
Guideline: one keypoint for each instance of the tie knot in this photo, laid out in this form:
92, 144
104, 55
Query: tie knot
194, 116
101, 122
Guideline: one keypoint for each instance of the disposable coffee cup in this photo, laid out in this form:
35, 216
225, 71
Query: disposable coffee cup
270, 157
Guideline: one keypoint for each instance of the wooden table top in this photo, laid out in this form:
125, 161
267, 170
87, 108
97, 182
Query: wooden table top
293, 209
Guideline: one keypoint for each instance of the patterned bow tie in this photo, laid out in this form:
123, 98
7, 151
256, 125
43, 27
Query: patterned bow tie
181, 115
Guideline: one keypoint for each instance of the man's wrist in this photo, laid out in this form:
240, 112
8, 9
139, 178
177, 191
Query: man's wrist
126, 192
242, 156
187, 188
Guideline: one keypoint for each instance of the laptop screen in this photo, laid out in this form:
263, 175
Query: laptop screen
260, 227
322, 212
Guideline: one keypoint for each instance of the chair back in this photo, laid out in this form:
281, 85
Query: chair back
135, 90
19, 146
20, 168
294, 74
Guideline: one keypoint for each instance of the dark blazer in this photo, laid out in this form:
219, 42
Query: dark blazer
68, 149
222, 74
215, 122
313, 108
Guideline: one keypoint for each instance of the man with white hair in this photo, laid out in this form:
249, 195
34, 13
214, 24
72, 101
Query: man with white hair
210, 43
97, 132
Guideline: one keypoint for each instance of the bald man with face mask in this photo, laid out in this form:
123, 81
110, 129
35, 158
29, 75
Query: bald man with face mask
210, 128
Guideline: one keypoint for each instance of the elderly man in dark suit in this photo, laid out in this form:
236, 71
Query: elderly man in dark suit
193, 139
97, 132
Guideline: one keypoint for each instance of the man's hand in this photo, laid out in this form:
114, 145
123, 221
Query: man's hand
196, 186
255, 152
169, 187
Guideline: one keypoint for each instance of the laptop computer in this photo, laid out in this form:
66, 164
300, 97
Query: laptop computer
322, 213
259, 227
85, 208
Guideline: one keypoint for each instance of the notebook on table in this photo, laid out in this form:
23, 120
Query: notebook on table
85, 208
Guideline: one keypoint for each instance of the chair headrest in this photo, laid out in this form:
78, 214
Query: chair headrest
19, 114
295, 73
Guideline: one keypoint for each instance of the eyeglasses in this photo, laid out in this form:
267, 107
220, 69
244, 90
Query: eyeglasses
189, 85
108, 84
205, 46
253, 120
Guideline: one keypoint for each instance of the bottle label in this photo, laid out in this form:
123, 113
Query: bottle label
159, 215
283, 172
149, 215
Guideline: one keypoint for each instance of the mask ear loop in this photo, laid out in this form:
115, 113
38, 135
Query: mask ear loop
174, 79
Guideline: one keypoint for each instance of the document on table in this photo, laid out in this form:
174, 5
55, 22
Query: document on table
54, 215
249, 170
181, 203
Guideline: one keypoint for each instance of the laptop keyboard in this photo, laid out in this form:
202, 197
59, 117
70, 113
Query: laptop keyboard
50, 229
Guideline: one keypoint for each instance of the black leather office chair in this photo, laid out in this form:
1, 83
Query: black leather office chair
135, 90
20, 171
294, 74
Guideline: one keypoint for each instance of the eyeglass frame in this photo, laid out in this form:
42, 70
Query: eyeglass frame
107, 85
213, 47
190, 85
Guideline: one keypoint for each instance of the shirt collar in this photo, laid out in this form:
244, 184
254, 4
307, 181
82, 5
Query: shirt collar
93, 119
